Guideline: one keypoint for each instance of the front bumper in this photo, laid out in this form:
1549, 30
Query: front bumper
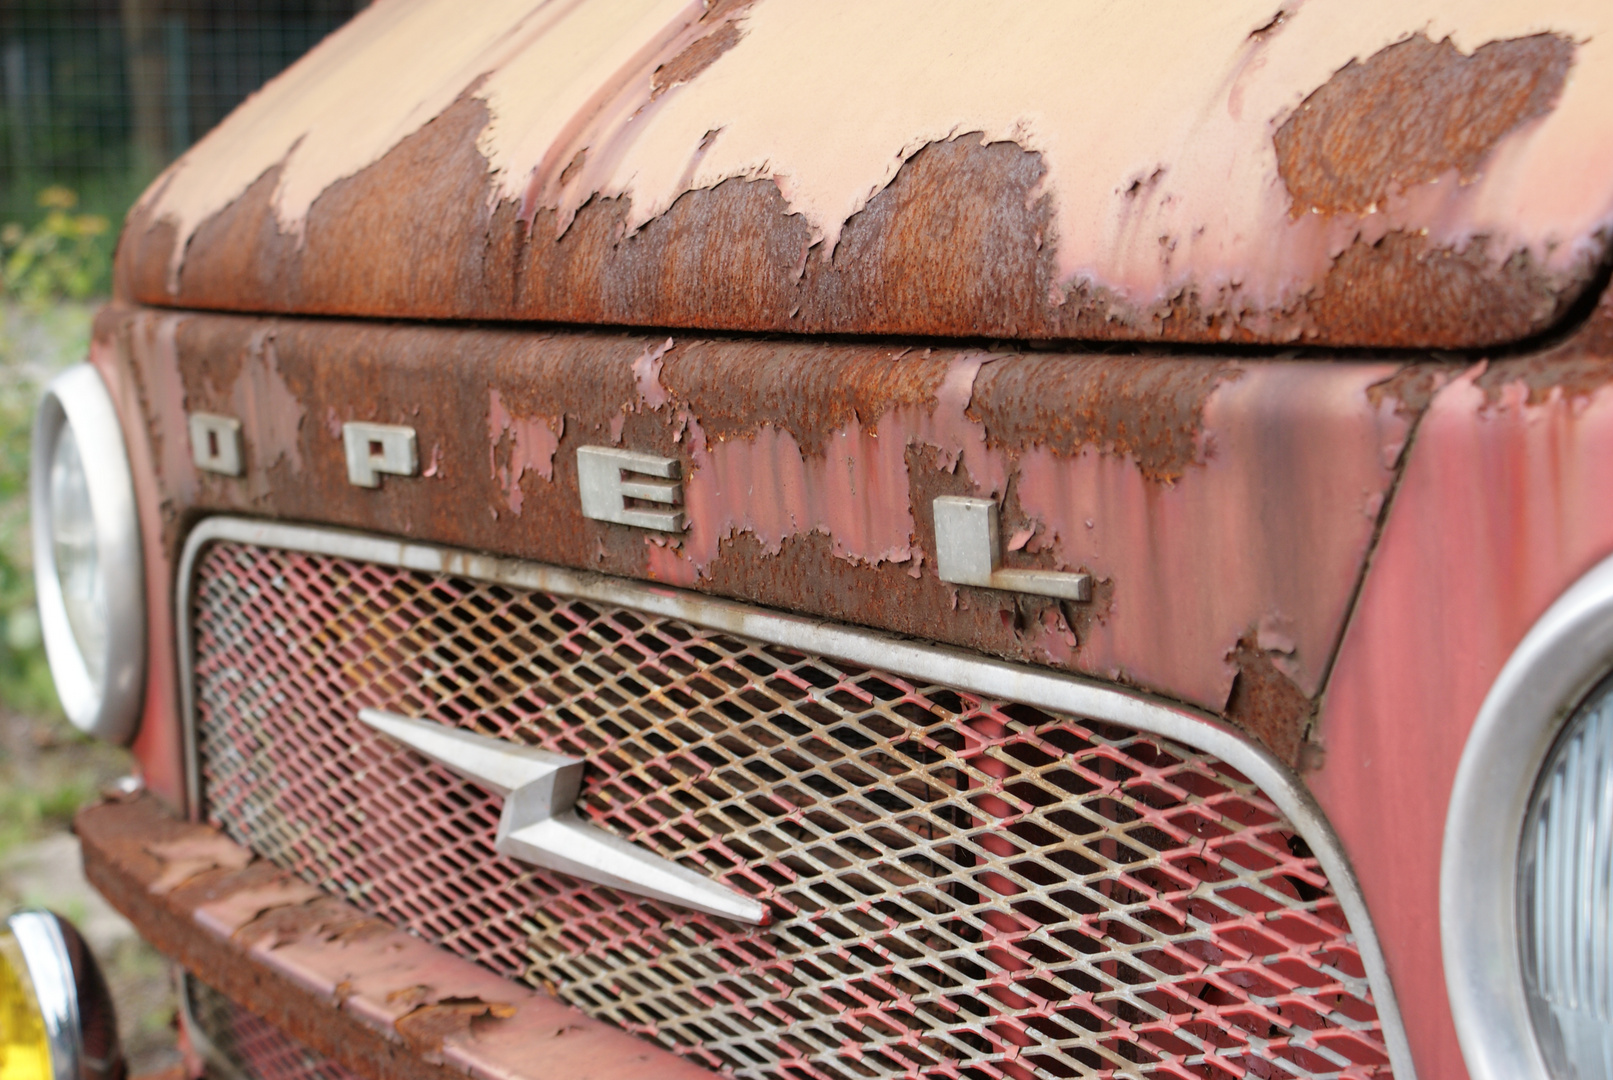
354, 989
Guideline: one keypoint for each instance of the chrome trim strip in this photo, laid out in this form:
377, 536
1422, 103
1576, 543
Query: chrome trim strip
1562, 658
909, 659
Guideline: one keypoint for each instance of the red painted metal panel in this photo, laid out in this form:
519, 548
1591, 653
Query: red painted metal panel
1507, 498
156, 743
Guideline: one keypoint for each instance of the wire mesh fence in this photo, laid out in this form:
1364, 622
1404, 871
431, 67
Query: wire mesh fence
98, 95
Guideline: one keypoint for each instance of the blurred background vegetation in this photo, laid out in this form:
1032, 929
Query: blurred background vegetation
96, 97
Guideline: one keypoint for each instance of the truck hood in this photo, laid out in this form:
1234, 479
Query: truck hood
1431, 173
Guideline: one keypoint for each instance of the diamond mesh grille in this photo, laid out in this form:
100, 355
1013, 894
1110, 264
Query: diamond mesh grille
254, 1048
961, 887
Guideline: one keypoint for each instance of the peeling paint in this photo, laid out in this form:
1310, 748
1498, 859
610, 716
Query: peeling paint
193, 856
1167, 217
1265, 491
427, 1027
1206, 497
1265, 702
854, 491
260, 392
229, 914
156, 743
530, 442
1411, 114
163, 392
647, 374
373, 998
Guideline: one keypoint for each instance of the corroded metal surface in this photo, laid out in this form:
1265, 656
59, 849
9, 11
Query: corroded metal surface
1406, 172
1504, 503
156, 743
959, 886
379, 1002
1213, 502
251, 1046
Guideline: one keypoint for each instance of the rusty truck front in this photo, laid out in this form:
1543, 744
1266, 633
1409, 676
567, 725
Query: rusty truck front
836, 540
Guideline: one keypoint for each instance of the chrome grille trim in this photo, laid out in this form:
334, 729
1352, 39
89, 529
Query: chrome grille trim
913, 660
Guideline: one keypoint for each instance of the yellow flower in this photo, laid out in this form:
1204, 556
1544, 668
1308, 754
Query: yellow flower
57, 197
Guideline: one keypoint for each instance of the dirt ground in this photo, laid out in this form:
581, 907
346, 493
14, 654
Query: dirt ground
46, 772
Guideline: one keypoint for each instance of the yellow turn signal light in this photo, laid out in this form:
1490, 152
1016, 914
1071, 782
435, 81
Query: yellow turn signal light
24, 1046
56, 1018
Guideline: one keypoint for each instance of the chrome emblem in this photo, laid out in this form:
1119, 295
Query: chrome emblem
607, 478
968, 551
373, 449
215, 443
540, 824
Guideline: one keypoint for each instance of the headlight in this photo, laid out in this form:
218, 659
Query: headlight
88, 572
1526, 881
56, 1017
1565, 897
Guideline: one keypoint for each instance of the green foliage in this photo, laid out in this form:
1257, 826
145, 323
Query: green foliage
25, 682
62, 256
47, 270
26, 811
35, 342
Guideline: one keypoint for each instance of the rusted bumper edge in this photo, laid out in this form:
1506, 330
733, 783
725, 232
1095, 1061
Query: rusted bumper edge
384, 1004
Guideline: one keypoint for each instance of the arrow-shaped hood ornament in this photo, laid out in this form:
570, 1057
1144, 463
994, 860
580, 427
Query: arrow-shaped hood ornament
540, 824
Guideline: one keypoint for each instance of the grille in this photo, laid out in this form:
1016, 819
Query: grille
253, 1048
960, 887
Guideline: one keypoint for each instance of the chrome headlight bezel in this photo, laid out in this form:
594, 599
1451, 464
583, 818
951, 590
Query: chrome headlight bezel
109, 708
74, 1004
1565, 656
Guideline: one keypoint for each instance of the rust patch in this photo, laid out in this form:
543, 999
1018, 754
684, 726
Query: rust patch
962, 234
1265, 703
426, 1027
693, 60
1410, 114
345, 261
958, 244
1136, 421
573, 167
736, 387
1576, 368
1150, 409
1455, 295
